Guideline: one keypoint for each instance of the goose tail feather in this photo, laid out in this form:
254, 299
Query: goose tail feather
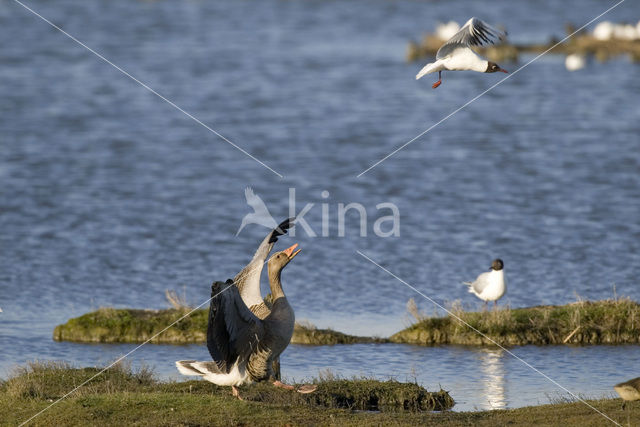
186, 367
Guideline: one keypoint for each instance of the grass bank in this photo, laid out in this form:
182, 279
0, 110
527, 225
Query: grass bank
135, 326
614, 321
122, 397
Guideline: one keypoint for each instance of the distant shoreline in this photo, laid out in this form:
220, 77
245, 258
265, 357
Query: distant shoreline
582, 44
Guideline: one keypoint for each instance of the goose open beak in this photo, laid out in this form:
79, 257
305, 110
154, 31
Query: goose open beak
290, 251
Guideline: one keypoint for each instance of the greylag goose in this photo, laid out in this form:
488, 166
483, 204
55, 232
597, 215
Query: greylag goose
456, 54
490, 286
628, 391
248, 279
243, 346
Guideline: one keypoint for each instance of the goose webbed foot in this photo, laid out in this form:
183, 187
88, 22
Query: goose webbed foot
304, 389
235, 392
307, 388
279, 384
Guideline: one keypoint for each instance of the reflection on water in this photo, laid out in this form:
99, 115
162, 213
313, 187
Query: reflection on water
493, 377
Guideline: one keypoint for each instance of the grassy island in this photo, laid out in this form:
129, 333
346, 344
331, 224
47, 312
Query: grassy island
135, 326
120, 396
615, 321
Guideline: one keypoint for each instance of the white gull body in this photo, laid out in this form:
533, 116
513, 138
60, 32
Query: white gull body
491, 285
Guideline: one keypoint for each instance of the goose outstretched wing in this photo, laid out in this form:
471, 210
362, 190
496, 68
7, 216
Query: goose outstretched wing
233, 332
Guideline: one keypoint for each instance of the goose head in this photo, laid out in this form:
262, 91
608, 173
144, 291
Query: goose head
279, 260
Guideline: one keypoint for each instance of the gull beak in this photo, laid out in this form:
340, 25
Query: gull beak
290, 251
504, 71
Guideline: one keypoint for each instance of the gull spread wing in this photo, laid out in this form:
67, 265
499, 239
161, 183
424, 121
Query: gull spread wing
474, 33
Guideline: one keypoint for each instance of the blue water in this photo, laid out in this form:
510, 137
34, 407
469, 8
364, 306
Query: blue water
109, 195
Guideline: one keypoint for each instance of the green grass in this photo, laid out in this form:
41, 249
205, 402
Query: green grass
124, 397
120, 395
131, 325
614, 321
135, 326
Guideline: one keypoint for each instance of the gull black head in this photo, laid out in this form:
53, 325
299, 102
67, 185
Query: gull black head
492, 67
497, 264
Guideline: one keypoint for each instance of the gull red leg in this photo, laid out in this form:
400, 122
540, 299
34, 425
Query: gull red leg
436, 84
